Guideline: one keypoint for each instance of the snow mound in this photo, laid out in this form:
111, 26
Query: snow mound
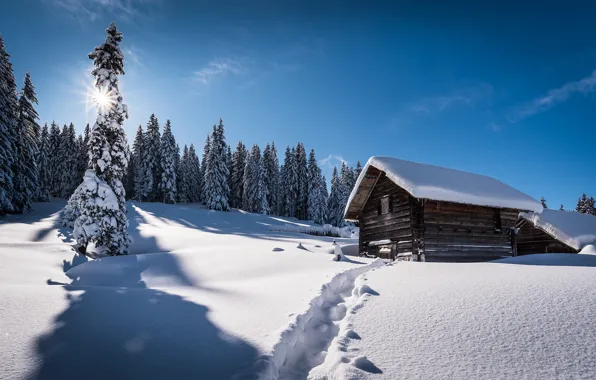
572, 228
443, 184
589, 249
552, 259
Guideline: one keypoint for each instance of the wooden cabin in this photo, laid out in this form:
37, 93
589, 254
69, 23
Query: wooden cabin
413, 211
553, 231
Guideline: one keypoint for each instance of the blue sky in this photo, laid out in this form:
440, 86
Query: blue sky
503, 90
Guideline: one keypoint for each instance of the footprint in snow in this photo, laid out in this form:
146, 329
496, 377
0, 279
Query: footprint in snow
277, 249
361, 362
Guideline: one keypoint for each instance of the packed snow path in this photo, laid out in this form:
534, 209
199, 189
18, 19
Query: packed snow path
211, 300
529, 317
303, 343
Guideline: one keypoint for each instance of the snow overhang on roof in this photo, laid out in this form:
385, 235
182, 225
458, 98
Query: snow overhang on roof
437, 183
571, 228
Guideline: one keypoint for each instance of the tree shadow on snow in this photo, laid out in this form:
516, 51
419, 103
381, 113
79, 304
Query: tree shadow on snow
134, 332
235, 222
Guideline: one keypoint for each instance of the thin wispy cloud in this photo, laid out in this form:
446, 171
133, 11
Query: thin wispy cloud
553, 97
218, 68
437, 104
332, 160
91, 10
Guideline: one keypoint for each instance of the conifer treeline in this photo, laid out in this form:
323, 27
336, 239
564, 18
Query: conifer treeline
249, 179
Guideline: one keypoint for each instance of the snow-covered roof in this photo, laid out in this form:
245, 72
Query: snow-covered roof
443, 184
571, 228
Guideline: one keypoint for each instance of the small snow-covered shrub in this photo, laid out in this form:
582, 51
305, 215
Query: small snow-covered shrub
325, 230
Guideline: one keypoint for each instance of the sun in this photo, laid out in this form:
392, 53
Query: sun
103, 99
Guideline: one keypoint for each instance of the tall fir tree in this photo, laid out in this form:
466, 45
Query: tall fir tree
184, 177
99, 202
152, 158
316, 191
229, 159
301, 182
543, 202
43, 160
196, 180
129, 177
143, 177
334, 201
581, 204
178, 174
288, 183
70, 161
358, 170
8, 130
237, 181
271, 164
255, 186
216, 172
168, 165
26, 178
55, 157
204, 159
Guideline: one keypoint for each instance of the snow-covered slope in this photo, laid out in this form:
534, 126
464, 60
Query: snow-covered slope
214, 296
572, 228
529, 317
443, 184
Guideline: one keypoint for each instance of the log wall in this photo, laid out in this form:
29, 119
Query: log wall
386, 215
533, 240
458, 232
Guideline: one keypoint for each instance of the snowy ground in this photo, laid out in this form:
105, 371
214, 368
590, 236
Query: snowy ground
530, 317
223, 296
220, 295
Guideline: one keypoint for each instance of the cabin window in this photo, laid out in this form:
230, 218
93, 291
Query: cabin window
385, 205
497, 218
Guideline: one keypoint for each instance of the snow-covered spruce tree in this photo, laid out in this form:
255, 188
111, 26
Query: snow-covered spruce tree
43, 193
255, 186
333, 202
28, 133
195, 178
216, 173
184, 177
271, 164
543, 202
358, 170
54, 160
204, 160
229, 166
168, 165
142, 186
581, 204
301, 175
129, 177
316, 194
99, 202
237, 182
152, 158
70, 161
288, 181
8, 130
588, 206
177, 166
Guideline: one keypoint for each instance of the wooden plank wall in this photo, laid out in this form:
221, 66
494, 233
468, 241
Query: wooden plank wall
465, 232
533, 240
394, 225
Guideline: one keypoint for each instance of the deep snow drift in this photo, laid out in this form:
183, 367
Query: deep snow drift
529, 317
214, 297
